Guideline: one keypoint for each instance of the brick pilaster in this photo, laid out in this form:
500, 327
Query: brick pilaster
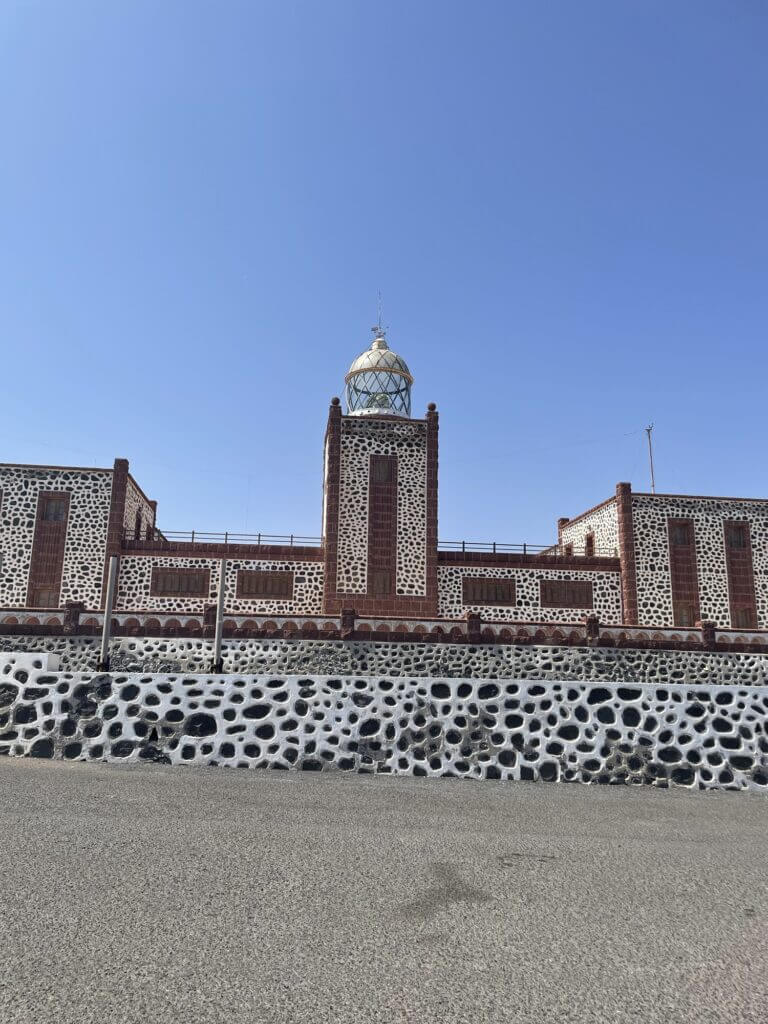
332, 484
433, 426
627, 553
116, 517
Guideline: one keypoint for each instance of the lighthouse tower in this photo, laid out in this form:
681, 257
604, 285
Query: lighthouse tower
380, 494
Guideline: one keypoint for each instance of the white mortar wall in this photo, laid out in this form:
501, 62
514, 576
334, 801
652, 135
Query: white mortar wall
90, 494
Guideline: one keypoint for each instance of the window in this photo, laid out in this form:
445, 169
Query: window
680, 533
256, 584
381, 582
736, 535
589, 545
54, 510
383, 469
684, 613
568, 551
137, 527
565, 593
180, 582
484, 591
45, 597
743, 618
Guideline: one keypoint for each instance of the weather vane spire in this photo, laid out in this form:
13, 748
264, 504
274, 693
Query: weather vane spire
379, 330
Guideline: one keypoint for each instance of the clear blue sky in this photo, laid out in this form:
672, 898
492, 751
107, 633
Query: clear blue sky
563, 203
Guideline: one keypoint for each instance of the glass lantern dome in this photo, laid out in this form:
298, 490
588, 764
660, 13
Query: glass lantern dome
379, 382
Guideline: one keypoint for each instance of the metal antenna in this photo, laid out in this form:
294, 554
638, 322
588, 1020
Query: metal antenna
649, 430
378, 330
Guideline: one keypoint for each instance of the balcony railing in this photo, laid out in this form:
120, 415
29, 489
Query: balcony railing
495, 548
202, 537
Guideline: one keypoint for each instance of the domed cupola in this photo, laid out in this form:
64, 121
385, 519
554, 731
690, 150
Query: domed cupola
379, 382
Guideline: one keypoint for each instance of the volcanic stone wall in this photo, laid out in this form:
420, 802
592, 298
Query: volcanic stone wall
138, 511
407, 440
345, 657
135, 582
650, 514
710, 737
606, 592
90, 492
600, 521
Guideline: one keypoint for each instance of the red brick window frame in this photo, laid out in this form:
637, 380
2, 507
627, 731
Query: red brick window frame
170, 582
260, 585
740, 571
47, 559
566, 594
482, 590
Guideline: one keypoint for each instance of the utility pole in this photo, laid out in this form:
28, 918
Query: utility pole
649, 430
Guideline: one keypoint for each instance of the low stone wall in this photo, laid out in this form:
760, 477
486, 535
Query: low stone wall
351, 657
705, 736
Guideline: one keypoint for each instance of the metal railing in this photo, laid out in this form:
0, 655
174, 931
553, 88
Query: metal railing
206, 537
494, 547
173, 537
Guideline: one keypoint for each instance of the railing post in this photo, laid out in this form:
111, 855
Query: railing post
525, 548
494, 547
218, 661
462, 547
193, 537
108, 606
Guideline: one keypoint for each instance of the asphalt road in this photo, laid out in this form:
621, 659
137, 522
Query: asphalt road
153, 894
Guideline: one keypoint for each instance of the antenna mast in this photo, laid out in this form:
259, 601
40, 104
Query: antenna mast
649, 431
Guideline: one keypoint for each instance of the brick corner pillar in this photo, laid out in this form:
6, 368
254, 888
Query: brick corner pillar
592, 628
474, 627
708, 635
74, 609
153, 506
561, 522
347, 622
433, 427
331, 505
116, 517
627, 553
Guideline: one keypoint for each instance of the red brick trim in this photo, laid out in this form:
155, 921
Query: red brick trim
46, 563
627, 553
237, 552
683, 572
204, 591
382, 525
332, 487
741, 575
467, 599
548, 587
115, 521
433, 429
274, 575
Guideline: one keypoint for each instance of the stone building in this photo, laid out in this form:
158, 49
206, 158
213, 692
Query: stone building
633, 649
636, 561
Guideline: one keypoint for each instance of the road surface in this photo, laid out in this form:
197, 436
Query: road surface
151, 894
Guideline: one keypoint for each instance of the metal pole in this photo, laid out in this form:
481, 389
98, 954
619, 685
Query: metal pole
650, 456
108, 606
217, 659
